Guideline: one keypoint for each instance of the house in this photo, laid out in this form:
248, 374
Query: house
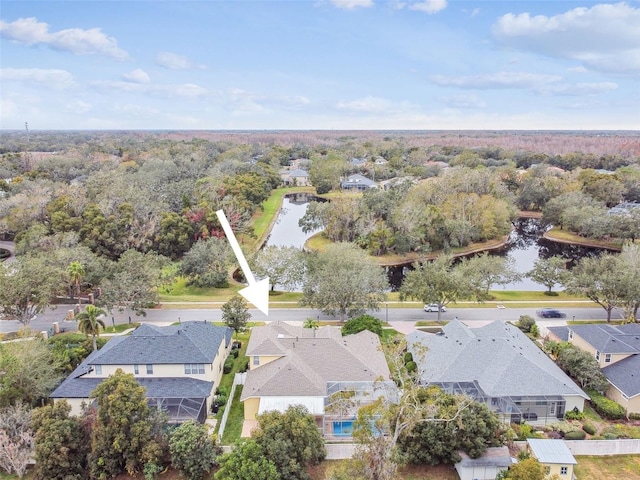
296, 177
485, 467
357, 182
554, 455
497, 365
625, 208
317, 368
617, 350
179, 365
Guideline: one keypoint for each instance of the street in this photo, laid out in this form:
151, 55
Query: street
44, 321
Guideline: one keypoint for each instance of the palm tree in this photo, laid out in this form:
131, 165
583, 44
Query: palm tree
75, 270
89, 323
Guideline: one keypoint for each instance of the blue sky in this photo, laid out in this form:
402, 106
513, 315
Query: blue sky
320, 64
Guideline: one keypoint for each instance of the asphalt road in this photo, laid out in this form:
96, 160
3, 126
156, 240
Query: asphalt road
45, 320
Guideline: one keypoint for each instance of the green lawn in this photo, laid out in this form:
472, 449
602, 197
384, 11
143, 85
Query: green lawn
625, 467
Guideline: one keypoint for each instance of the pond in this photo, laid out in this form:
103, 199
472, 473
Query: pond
525, 245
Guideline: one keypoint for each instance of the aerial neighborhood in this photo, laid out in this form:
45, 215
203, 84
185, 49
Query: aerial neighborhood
401, 334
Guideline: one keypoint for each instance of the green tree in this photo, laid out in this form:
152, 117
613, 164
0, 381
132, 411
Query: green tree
363, 322
528, 469
62, 443
473, 431
342, 280
175, 235
235, 314
76, 271
583, 367
193, 452
29, 369
16, 439
435, 282
121, 439
207, 263
133, 282
27, 287
630, 278
282, 265
484, 271
291, 440
89, 322
600, 280
246, 462
548, 272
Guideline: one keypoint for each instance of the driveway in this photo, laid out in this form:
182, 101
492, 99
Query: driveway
11, 246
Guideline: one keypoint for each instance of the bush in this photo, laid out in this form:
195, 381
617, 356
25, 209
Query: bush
574, 414
235, 352
605, 407
590, 429
575, 435
411, 367
408, 357
363, 322
525, 322
245, 366
228, 365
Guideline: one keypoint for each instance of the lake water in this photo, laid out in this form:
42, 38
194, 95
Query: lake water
525, 245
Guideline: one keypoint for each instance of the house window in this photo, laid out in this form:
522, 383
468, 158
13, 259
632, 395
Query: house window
194, 368
256, 360
598, 355
149, 369
607, 358
98, 369
564, 470
136, 369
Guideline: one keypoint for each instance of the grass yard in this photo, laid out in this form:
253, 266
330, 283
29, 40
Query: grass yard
413, 472
625, 467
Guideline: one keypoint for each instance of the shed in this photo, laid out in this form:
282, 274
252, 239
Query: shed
486, 467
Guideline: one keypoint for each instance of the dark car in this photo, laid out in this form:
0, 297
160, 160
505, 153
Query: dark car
550, 313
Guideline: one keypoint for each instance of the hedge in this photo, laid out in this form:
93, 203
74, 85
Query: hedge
605, 407
575, 435
590, 429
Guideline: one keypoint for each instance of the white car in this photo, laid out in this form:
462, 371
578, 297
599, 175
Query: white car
433, 307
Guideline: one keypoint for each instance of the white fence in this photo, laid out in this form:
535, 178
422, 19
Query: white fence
599, 447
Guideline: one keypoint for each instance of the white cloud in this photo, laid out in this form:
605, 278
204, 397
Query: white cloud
189, 90
463, 101
78, 107
173, 61
497, 80
75, 40
373, 105
579, 89
604, 37
53, 78
137, 76
351, 4
429, 6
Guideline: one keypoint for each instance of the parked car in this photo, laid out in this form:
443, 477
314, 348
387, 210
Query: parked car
433, 307
550, 313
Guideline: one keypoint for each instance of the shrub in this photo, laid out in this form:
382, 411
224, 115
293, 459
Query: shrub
574, 414
408, 357
605, 407
363, 322
575, 435
525, 322
228, 365
590, 429
411, 367
235, 352
634, 416
245, 366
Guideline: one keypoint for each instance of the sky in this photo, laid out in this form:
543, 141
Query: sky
320, 65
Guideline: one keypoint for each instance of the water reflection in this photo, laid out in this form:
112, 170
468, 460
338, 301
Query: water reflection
525, 244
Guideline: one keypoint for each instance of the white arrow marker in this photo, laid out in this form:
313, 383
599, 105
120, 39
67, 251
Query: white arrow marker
257, 292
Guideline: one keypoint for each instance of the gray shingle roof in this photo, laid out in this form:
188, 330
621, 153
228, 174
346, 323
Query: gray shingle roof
492, 457
625, 375
610, 338
307, 363
189, 342
551, 451
498, 356
156, 387
561, 332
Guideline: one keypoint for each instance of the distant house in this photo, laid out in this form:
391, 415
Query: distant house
295, 177
358, 162
617, 350
357, 182
485, 467
554, 455
179, 365
291, 365
625, 208
499, 366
